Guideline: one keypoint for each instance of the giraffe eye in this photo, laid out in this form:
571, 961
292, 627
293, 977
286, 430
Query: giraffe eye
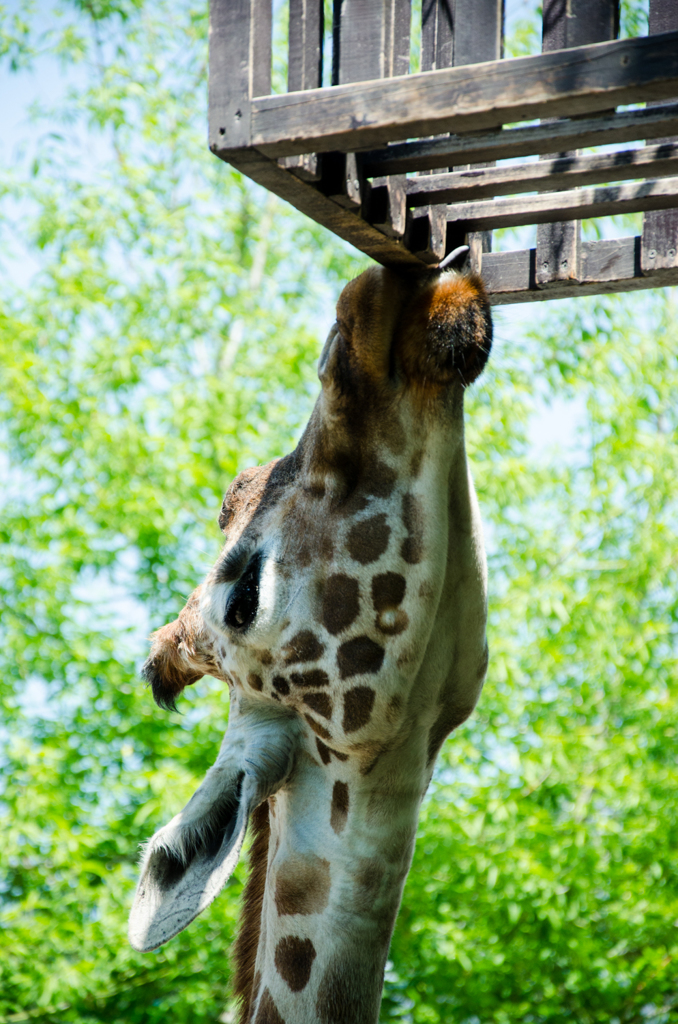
244, 600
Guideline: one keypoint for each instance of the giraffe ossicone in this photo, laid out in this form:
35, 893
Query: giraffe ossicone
347, 615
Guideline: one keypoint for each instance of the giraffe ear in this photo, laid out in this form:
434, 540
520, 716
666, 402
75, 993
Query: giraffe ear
188, 862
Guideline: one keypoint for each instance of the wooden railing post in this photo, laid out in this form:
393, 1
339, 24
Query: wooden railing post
659, 243
305, 70
455, 32
568, 23
371, 40
240, 67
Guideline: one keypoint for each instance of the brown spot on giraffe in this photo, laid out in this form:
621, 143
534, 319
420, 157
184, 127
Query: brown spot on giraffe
310, 680
380, 480
358, 704
388, 590
302, 885
327, 752
255, 681
369, 876
368, 539
281, 685
340, 603
323, 750
318, 729
412, 548
320, 703
359, 656
304, 646
265, 657
267, 1012
293, 960
339, 813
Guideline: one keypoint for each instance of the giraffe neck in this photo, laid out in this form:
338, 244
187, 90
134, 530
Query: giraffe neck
339, 851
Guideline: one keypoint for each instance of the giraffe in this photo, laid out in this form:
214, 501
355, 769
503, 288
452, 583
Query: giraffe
346, 613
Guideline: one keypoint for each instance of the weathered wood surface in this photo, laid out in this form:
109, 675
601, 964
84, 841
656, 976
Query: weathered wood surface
659, 248
512, 143
305, 70
605, 267
472, 97
559, 173
602, 201
566, 24
311, 201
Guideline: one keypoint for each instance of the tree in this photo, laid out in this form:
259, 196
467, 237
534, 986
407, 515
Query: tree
167, 338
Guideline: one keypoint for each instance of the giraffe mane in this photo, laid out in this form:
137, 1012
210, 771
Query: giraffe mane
247, 943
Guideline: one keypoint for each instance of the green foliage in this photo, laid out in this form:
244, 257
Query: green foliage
165, 338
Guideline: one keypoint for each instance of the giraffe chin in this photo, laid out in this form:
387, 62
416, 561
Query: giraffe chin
186, 864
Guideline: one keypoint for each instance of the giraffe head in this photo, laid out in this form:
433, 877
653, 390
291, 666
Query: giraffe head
346, 611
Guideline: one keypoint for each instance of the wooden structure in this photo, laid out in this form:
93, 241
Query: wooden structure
405, 166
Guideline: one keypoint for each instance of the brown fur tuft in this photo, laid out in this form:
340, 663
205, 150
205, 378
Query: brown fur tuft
245, 951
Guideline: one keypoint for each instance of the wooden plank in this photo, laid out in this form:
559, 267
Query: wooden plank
511, 143
603, 201
437, 34
474, 97
311, 201
305, 70
568, 23
305, 45
478, 37
606, 266
659, 247
561, 172
229, 73
373, 38
565, 24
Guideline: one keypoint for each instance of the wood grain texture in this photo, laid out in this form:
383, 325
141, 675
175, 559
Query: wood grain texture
566, 24
474, 97
559, 173
603, 201
606, 266
511, 143
229, 73
659, 247
311, 201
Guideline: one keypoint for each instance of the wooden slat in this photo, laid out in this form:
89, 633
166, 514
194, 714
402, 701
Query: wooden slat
606, 266
454, 32
569, 23
559, 173
305, 70
511, 143
374, 39
659, 247
473, 97
305, 41
229, 73
604, 201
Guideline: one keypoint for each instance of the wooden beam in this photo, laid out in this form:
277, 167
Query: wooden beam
659, 247
511, 143
603, 201
558, 173
468, 98
606, 266
311, 201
